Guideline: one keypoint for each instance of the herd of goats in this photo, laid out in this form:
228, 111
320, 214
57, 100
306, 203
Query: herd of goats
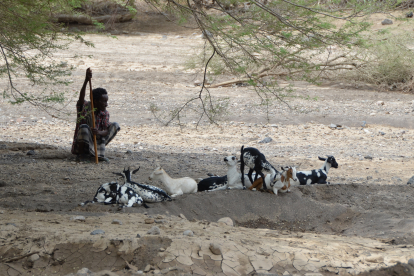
132, 193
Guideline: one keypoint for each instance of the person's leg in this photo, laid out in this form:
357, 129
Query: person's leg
83, 140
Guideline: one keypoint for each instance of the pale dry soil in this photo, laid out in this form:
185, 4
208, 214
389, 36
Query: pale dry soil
364, 220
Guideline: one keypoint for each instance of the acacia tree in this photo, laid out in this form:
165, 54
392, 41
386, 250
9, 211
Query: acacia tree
28, 40
262, 40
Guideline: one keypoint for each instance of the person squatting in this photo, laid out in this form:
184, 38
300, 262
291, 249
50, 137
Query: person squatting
104, 130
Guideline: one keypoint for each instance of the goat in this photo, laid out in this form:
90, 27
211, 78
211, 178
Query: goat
174, 187
106, 194
233, 176
113, 193
211, 183
256, 161
148, 193
128, 197
318, 176
281, 180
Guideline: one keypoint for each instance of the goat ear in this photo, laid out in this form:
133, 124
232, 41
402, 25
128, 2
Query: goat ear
134, 171
321, 158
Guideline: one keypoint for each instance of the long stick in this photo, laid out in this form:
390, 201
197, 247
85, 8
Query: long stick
93, 124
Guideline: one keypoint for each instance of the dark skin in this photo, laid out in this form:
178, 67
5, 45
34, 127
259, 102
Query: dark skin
99, 105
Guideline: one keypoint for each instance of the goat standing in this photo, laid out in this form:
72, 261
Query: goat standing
256, 161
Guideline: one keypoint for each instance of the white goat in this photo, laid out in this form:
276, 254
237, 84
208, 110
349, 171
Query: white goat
233, 176
174, 187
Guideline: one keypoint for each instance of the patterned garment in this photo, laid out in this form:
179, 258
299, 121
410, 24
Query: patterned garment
84, 118
85, 136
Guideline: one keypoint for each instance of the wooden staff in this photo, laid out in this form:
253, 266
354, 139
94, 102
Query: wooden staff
93, 123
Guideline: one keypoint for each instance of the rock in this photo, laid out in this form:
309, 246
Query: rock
380, 103
138, 236
333, 126
182, 216
147, 268
188, 233
198, 82
128, 152
387, 22
215, 248
117, 221
227, 221
98, 232
396, 178
78, 218
84, 271
266, 140
411, 181
3, 146
149, 221
368, 157
364, 123
162, 249
154, 231
382, 133
367, 131
12, 224
33, 258
274, 125
369, 177
411, 262
409, 14
31, 152
159, 217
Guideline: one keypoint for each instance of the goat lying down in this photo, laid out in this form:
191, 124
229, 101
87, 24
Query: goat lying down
174, 186
318, 176
211, 183
281, 182
113, 193
233, 176
148, 193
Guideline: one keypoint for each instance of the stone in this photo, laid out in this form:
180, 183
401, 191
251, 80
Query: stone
382, 133
188, 233
138, 236
368, 157
387, 22
364, 123
332, 126
149, 221
274, 125
411, 181
78, 218
154, 231
182, 216
409, 14
147, 268
380, 103
128, 152
227, 221
266, 140
33, 258
215, 248
31, 152
83, 271
98, 232
117, 221
411, 262
369, 177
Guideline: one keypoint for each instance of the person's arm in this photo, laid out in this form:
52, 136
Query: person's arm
88, 77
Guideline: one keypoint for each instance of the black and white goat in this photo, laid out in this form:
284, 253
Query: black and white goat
318, 176
148, 193
113, 193
106, 194
211, 183
256, 161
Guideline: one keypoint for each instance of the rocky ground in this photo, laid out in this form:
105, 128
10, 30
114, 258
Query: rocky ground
364, 220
